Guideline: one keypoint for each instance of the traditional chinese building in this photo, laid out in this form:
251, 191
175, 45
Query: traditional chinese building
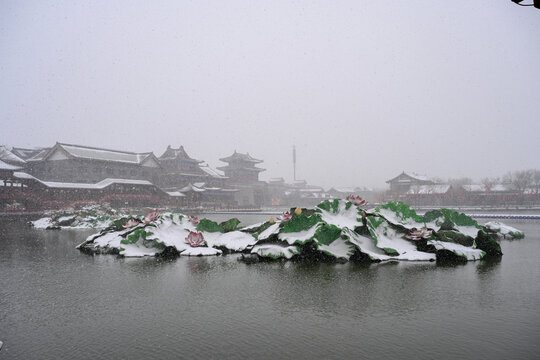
179, 170
85, 164
241, 169
243, 175
402, 183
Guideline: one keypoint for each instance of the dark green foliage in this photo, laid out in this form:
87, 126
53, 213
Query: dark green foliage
449, 257
259, 229
432, 215
326, 234
488, 244
447, 225
305, 212
458, 218
230, 225
134, 237
390, 252
300, 223
455, 237
209, 226
402, 210
118, 225
330, 205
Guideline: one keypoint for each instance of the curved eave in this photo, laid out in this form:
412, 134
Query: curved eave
228, 168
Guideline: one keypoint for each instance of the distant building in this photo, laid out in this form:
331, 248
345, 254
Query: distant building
9, 157
402, 183
243, 175
85, 164
180, 170
241, 169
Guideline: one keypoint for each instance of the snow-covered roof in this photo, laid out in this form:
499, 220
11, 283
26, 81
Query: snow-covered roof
240, 157
314, 190
278, 180
429, 189
180, 153
192, 187
39, 154
68, 185
175, 194
211, 171
9, 156
343, 190
87, 152
23, 175
410, 175
6, 166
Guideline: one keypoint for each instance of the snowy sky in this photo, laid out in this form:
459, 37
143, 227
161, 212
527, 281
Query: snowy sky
365, 89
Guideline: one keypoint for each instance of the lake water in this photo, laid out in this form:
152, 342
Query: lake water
57, 303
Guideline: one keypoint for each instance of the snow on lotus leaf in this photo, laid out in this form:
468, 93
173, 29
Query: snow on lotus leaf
504, 230
335, 229
273, 251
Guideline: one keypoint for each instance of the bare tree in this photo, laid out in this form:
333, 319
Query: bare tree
490, 182
508, 178
536, 181
460, 181
522, 180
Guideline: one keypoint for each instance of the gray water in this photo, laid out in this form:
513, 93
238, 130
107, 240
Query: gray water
56, 303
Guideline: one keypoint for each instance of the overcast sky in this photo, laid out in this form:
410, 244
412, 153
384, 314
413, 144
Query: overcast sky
365, 89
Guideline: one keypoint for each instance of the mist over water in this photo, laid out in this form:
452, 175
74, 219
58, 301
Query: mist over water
364, 90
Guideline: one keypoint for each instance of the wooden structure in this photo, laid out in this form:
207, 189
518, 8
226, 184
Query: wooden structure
402, 183
241, 169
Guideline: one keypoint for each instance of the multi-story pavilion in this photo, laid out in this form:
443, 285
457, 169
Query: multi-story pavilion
179, 170
241, 169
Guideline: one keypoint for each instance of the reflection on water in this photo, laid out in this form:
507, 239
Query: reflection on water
58, 303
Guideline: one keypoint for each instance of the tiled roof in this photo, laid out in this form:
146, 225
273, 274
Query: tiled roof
241, 157
87, 152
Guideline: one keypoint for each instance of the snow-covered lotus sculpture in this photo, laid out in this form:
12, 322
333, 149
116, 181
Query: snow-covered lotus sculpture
195, 239
335, 230
87, 217
356, 200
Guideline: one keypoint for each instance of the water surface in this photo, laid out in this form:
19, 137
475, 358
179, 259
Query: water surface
56, 303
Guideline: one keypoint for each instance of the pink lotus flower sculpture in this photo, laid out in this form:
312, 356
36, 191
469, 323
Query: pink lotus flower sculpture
195, 239
151, 216
419, 234
356, 200
130, 223
194, 220
286, 216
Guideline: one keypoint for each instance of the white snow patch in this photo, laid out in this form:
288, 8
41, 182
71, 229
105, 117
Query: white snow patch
300, 237
200, 251
343, 218
393, 218
469, 253
275, 251
339, 248
389, 238
42, 223
504, 229
471, 231
234, 240
273, 229
366, 245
